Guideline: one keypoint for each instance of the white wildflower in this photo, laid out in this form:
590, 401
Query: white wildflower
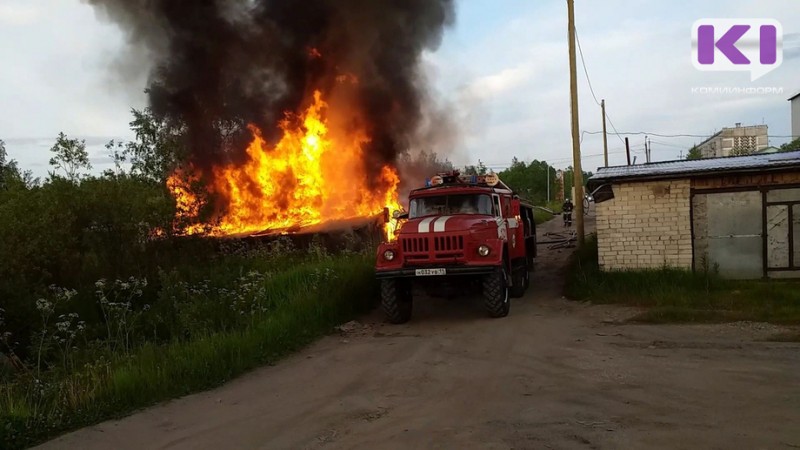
42, 304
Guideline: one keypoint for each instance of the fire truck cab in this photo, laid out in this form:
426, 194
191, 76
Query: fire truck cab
462, 231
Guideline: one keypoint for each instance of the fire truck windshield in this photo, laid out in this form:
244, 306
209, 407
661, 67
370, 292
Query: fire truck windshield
441, 205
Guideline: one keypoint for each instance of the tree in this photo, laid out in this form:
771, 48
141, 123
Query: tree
426, 162
158, 147
3, 163
116, 150
70, 155
569, 182
480, 169
530, 180
10, 174
416, 167
791, 146
694, 153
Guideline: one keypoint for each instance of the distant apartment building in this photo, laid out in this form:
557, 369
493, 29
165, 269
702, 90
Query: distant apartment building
795, 115
735, 141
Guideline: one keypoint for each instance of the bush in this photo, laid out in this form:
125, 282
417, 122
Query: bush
242, 313
103, 308
70, 235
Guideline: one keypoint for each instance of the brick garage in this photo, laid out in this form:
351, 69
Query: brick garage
740, 215
645, 225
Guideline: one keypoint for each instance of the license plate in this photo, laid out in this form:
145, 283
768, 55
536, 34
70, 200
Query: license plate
430, 272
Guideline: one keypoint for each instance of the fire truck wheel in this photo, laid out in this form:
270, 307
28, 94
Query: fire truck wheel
396, 301
521, 280
496, 293
527, 277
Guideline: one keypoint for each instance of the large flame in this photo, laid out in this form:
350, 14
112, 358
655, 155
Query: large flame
311, 176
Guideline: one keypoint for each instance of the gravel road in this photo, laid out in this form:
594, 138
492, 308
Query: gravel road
555, 374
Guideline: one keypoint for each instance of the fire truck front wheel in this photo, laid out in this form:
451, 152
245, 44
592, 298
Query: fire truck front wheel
496, 293
396, 300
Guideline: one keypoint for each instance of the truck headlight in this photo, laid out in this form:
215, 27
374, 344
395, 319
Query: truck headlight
483, 250
388, 255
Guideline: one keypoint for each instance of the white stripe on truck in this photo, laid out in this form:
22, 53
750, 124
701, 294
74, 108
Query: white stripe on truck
425, 225
438, 226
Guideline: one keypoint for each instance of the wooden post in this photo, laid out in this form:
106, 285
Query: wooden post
576, 143
628, 150
605, 135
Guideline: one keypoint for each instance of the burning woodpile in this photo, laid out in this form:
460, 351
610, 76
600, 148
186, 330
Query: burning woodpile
292, 115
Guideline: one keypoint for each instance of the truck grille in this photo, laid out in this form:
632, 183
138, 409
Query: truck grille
448, 243
431, 248
415, 245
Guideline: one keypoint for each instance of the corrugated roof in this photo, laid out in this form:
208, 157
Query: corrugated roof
682, 168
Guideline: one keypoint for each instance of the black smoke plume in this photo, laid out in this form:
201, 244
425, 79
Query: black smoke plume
219, 65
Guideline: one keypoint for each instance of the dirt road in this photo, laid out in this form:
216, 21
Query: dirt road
554, 374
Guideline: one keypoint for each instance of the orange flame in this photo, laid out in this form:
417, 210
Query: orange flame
311, 176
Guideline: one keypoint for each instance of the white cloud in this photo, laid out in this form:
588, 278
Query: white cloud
499, 83
638, 57
18, 13
57, 75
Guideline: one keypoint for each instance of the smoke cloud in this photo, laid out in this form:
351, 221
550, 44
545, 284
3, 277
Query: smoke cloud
219, 65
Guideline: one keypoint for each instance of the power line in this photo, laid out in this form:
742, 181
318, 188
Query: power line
649, 133
585, 70
611, 122
613, 128
591, 88
669, 145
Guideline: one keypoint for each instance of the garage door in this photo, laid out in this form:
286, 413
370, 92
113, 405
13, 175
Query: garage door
728, 235
783, 233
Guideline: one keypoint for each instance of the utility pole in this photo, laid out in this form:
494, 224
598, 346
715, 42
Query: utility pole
548, 183
646, 150
628, 150
605, 135
576, 143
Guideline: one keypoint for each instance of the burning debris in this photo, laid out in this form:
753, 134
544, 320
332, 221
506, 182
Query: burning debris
295, 113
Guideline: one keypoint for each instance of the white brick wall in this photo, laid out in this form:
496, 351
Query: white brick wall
646, 225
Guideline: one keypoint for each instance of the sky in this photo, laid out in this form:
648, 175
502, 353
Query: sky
502, 71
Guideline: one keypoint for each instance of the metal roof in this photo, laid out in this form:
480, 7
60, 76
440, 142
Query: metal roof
696, 167
794, 96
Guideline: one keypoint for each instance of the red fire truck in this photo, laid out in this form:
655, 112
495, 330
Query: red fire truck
461, 231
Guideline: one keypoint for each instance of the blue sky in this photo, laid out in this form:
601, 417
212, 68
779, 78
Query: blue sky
502, 71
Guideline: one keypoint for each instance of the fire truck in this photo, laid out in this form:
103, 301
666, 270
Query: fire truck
461, 232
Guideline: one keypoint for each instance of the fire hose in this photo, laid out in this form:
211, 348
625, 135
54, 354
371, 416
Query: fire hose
560, 240
565, 239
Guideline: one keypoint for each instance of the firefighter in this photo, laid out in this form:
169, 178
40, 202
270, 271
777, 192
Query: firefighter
566, 209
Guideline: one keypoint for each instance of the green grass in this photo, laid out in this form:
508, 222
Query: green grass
674, 295
540, 216
154, 372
